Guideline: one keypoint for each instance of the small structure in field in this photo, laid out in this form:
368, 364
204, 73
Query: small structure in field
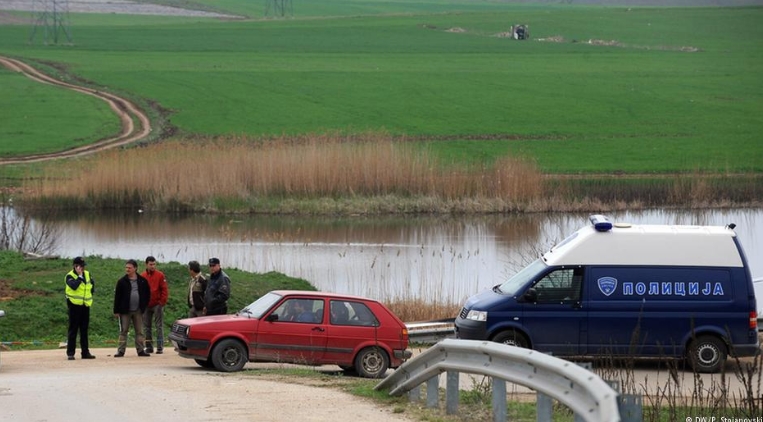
520, 32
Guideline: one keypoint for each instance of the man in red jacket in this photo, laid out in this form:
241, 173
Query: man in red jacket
154, 314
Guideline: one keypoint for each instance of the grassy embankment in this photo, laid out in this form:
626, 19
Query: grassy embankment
32, 294
34, 301
664, 99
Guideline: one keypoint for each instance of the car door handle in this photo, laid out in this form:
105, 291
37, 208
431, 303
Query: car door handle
318, 329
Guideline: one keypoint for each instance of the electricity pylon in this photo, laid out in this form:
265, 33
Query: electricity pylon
278, 8
52, 18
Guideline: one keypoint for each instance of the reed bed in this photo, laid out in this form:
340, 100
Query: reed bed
411, 310
356, 174
193, 175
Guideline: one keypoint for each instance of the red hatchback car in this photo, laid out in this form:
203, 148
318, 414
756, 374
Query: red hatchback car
310, 328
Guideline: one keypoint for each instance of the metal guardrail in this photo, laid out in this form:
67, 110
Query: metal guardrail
589, 397
430, 332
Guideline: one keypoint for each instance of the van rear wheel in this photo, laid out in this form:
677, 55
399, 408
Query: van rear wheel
707, 354
512, 338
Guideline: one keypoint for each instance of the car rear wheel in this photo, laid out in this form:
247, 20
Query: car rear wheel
707, 354
204, 363
512, 338
371, 362
229, 356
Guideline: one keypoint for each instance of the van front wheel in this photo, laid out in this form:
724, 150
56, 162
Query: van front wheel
512, 338
707, 354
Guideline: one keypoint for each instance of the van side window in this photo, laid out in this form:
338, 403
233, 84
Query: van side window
560, 286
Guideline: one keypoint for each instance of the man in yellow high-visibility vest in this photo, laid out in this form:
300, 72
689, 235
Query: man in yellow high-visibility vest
79, 299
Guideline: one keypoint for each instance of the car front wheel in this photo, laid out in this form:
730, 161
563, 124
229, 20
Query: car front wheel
229, 356
371, 362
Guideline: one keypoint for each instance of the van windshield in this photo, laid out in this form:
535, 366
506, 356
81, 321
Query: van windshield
520, 279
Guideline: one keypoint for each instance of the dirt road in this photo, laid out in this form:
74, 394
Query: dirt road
42, 385
127, 112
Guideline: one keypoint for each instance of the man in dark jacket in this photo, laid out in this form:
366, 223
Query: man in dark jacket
131, 297
218, 290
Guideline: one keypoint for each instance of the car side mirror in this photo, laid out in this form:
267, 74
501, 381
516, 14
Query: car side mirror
531, 295
272, 317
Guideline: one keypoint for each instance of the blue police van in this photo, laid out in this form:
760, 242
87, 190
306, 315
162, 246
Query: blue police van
618, 289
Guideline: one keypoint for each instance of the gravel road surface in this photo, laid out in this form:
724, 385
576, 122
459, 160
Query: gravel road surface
41, 385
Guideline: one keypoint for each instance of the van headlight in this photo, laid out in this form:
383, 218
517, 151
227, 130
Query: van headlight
477, 315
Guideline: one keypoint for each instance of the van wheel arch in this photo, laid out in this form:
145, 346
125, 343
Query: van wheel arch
707, 353
512, 337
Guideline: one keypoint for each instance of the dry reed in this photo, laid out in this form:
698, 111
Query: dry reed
196, 175
354, 174
411, 310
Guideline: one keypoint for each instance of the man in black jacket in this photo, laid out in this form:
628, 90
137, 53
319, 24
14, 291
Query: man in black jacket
131, 297
218, 290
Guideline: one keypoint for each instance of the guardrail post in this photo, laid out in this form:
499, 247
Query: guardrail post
499, 400
433, 392
451, 393
631, 407
544, 408
415, 394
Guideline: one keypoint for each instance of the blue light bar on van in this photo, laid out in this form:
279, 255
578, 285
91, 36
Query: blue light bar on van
600, 223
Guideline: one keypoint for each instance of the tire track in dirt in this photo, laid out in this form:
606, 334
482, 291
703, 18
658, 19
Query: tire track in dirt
127, 112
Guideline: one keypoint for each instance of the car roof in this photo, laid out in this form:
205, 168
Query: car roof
309, 293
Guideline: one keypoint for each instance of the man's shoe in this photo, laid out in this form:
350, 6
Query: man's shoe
88, 356
143, 354
70, 358
159, 351
119, 354
149, 349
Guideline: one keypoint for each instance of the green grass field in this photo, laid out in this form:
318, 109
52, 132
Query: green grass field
78, 119
640, 106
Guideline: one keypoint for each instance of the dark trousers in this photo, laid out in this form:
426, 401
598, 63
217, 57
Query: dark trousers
219, 311
79, 320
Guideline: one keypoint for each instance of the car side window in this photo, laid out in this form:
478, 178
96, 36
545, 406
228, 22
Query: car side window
560, 286
360, 314
340, 312
300, 310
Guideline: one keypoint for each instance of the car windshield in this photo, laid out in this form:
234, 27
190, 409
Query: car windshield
257, 308
520, 279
